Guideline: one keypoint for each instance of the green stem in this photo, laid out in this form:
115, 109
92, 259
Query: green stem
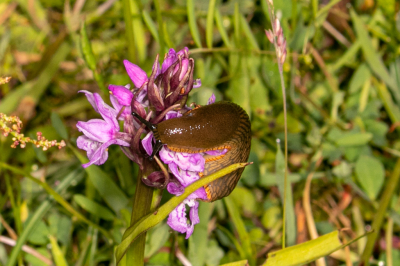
280, 66
380, 215
141, 207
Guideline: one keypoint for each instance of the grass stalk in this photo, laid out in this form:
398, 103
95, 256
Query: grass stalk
280, 66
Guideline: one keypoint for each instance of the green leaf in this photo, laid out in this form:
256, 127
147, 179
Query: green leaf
39, 235
94, 207
239, 83
156, 238
150, 25
247, 30
12, 99
210, 23
87, 49
57, 253
108, 190
192, 23
359, 77
140, 34
237, 263
258, 92
244, 199
373, 59
221, 28
288, 200
36, 217
241, 229
353, 139
348, 57
198, 242
306, 252
392, 109
58, 125
370, 174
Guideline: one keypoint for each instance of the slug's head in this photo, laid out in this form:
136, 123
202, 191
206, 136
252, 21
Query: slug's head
153, 128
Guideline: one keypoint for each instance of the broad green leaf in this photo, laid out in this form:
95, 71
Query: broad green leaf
239, 84
108, 190
214, 253
244, 199
258, 92
39, 235
271, 217
353, 139
156, 238
60, 227
93, 207
370, 174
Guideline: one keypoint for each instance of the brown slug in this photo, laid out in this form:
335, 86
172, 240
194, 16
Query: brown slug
222, 125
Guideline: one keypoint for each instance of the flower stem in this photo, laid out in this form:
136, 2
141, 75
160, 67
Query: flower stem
141, 207
280, 61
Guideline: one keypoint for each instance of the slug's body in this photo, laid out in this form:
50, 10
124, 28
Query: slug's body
222, 125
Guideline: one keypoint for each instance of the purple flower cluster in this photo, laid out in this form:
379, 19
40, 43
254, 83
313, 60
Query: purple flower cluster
155, 98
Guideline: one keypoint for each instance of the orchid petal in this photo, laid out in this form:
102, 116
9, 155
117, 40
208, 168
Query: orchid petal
147, 143
169, 60
166, 155
211, 100
123, 95
100, 155
137, 75
96, 129
90, 98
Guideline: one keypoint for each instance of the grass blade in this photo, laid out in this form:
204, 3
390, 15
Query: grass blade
192, 23
210, 23
241, 229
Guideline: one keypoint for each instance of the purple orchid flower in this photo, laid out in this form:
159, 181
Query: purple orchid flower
100, 134
154, 99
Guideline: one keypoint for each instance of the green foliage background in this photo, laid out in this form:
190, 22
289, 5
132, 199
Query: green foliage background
342, 76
